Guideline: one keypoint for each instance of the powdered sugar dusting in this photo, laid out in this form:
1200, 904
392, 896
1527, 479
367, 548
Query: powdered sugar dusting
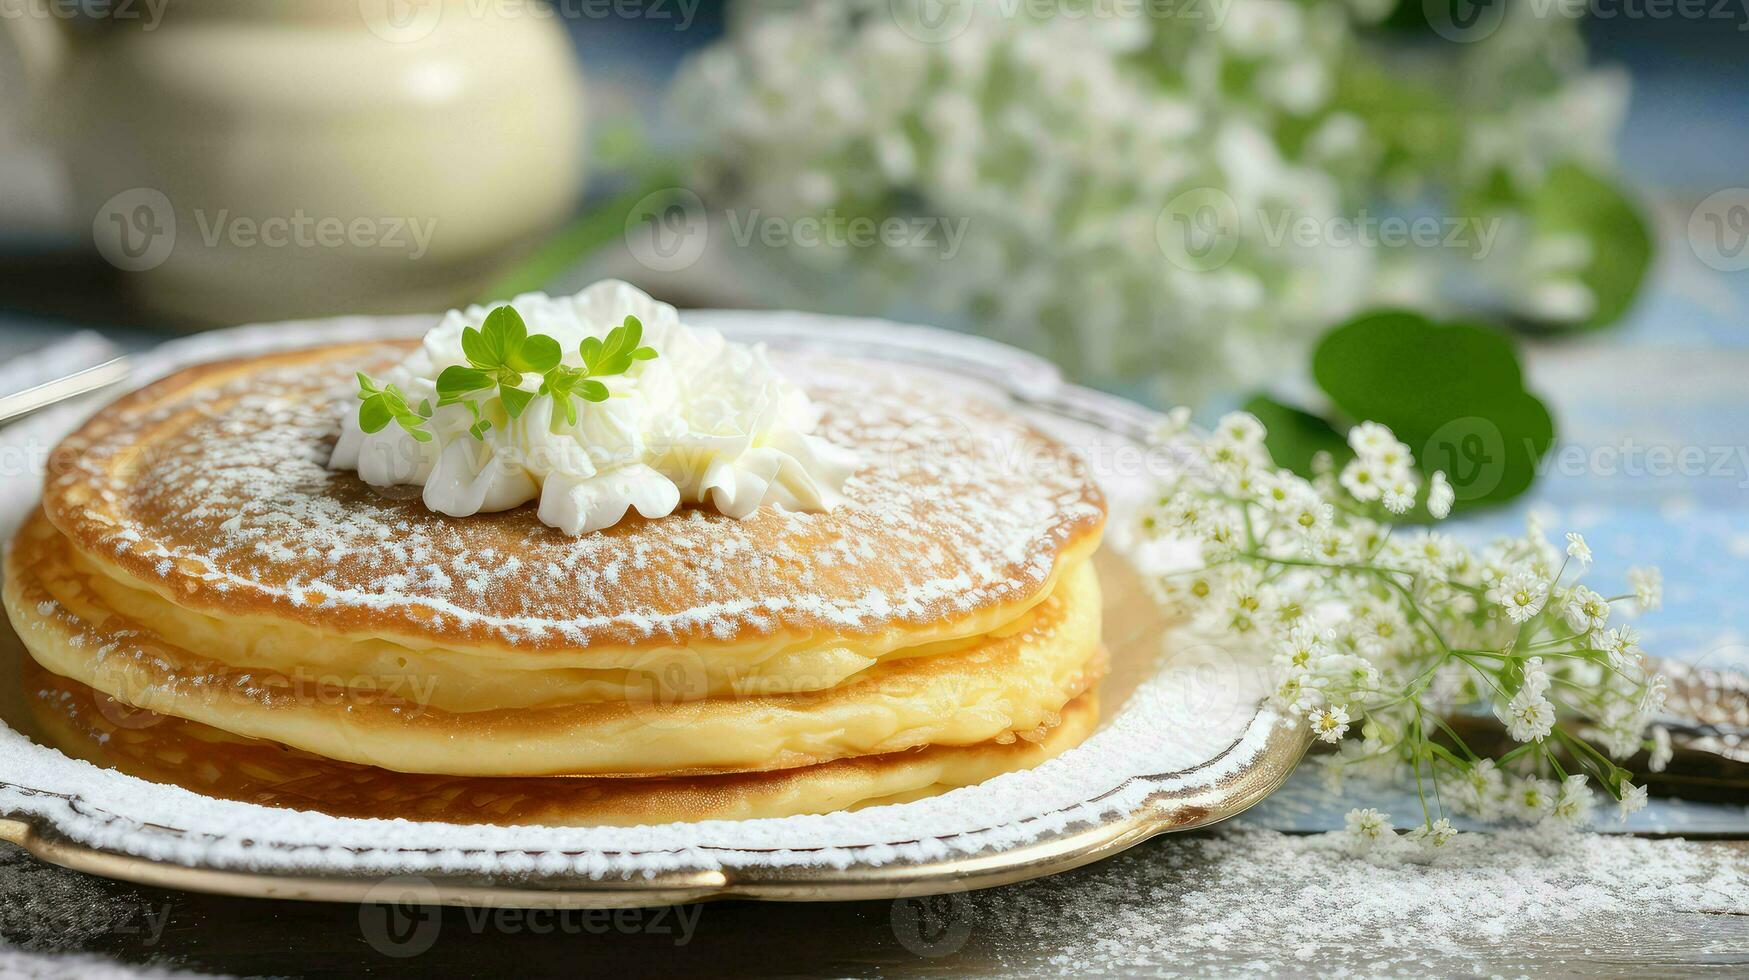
1261, 902
961, 507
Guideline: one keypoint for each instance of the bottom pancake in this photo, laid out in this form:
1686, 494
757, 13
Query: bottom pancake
166, 749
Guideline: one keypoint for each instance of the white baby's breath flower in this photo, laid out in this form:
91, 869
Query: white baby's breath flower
1302, 650
1372, 440
1532, 799
1633, 799
1529, 717
1329, 722
1175, 424
1584, 610
1661, 752
1483, 787
1367, 826
1434, 835
1363, 480
1328, 544
1622, 644
1277, 490
1240, 429
1432, 552
1536, 678
1354, 676
1378, 630
1572, 805
1621, 737
1657, 690
1522, 594
1440, 495
1296, 695
1577, 548
1399, 493
1648, 587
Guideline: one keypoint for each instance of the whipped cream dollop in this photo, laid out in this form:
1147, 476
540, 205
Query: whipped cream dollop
707, 421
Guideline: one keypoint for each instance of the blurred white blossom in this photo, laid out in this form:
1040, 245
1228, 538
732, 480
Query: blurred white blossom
1151, 191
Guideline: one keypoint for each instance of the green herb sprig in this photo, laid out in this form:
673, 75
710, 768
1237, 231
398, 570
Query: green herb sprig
601, 358
382, 405
500, 353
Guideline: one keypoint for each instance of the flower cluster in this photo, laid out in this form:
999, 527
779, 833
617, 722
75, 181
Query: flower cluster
1382, 632
1076, 144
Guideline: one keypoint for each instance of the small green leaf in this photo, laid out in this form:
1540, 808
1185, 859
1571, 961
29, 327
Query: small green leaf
504, 333
456, 381
476, 350
381, 405
515, 400
1453, 392
539, 354
1296, 436
644, 354
590, 349
592, 390
479, 429
374, 414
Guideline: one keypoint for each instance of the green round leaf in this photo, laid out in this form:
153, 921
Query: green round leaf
504, 333
1576, 201
1294, 437
539, 354
374, 414
1452, 391
478, 352
590, 350
457, 380
515, 400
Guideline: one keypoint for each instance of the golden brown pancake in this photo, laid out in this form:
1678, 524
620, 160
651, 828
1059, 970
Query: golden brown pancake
211, 487
1014, 679
165, 749
195, 556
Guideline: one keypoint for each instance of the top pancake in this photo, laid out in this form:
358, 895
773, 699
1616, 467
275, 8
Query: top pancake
211, 487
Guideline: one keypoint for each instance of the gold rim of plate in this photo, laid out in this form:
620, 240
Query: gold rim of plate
1167, 812
1034, 385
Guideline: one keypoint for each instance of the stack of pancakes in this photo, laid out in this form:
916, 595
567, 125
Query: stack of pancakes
209, 605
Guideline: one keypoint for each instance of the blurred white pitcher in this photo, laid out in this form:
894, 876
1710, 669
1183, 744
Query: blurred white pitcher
281, 158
